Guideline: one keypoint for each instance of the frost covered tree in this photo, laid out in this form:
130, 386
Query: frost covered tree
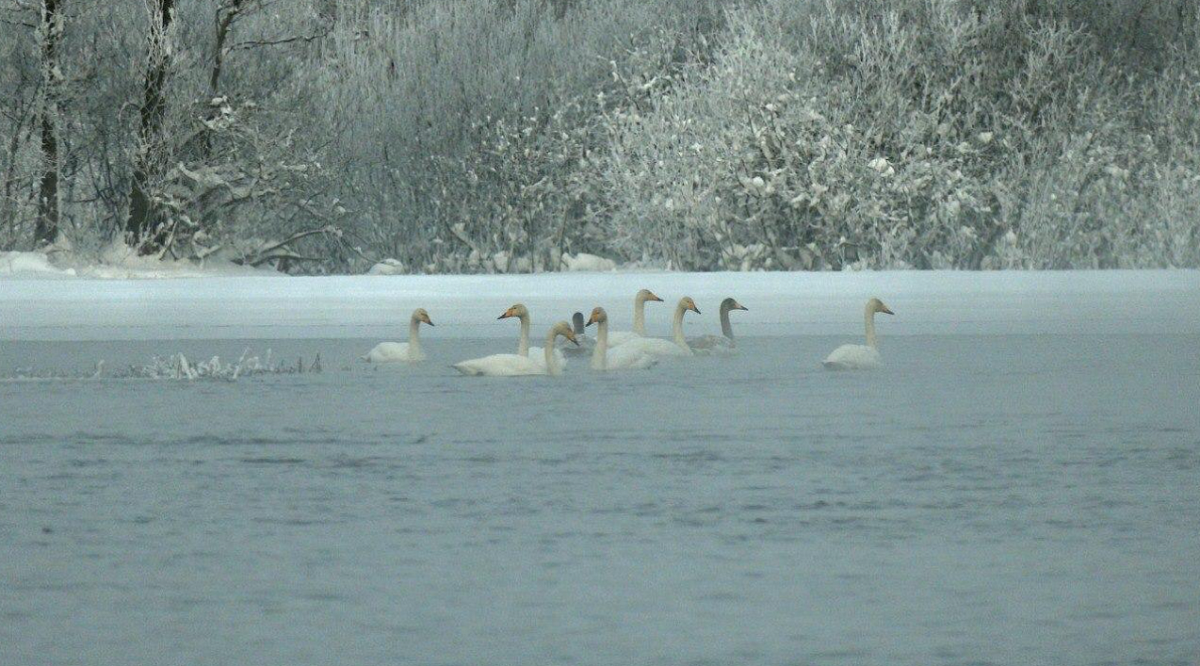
50, 33
143, 227
21, 80
505, 135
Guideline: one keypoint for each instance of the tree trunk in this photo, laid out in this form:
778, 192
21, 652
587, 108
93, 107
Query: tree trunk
224, 24
225, 17
46, 230
143, 228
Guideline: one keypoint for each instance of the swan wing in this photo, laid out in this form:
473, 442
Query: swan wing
852, 357
388, 352
655, 347
501, 365
629, 358
707, 345
618, 338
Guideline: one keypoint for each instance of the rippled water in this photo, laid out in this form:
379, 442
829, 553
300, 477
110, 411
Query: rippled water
1005, 499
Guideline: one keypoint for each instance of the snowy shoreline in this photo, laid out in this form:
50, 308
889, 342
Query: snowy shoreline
926, 302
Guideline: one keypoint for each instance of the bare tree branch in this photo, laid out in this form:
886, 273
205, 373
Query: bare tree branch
250, 44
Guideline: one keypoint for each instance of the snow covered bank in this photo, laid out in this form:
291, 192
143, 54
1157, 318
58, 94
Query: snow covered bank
117, 263
30, 265
467, 306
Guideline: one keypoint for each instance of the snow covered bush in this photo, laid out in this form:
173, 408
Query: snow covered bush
180, 367
917, 134
468, 128
508, 135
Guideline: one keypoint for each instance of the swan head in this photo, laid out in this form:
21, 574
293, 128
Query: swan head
732, 304
564, 329
422, 316
577, 322
876, 305
644, 295
518, 310
686, 303
599, 316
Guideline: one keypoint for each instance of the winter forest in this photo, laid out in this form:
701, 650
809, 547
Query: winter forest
480, 136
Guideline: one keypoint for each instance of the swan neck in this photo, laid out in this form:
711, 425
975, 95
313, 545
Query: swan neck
600, 353
414, 337
523, 341
677, 328
639, 315
551, 362
872, 339
726, 327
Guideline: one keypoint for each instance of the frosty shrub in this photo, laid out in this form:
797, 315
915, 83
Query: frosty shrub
503, 135
917, 134
465, 127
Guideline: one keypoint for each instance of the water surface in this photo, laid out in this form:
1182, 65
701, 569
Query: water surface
990, 499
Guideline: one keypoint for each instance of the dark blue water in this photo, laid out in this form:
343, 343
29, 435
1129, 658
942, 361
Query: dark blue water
1031, 500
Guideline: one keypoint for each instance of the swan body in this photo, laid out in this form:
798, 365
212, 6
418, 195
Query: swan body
618, 338
402, 352
860, 357
501, 365
710, 345
393, 352
677, 345
527, 361
515, 365
584, 344
655, 347
853, 357
628, 357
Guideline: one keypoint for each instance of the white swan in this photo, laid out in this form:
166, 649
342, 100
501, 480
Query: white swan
860, 357
618, 338
677, 345
523, 349
402, 352
584, 344
626, 357
515, 365
718, 344
471, 367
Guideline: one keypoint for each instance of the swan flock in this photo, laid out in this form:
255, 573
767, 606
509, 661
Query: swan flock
616, 350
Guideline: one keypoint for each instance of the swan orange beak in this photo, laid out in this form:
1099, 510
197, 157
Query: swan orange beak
506, 315
592, 320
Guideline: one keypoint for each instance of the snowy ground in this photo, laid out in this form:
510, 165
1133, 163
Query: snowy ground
255, 306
